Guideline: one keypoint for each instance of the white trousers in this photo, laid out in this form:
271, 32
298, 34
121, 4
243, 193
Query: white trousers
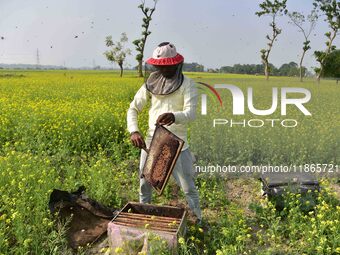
184, 175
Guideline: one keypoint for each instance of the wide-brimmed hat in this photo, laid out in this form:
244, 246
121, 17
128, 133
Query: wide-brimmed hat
165, 54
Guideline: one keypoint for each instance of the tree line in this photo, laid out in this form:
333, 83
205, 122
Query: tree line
329, 10
288, 69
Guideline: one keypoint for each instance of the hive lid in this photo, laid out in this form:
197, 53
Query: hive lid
164, 150
276, 179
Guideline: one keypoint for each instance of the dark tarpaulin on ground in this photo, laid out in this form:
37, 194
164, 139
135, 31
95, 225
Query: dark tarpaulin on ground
89, 218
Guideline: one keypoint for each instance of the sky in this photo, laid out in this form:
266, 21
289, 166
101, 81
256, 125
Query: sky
213, 33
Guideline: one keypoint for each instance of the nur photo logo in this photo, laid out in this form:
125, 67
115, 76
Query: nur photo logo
280, 97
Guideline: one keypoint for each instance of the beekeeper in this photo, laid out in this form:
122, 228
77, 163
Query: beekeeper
173, 104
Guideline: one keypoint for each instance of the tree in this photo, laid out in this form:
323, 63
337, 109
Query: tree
272, 8
332, 65
291, 69
331, 9
248, 69
140, 43
192, 67
298, 19
118, 52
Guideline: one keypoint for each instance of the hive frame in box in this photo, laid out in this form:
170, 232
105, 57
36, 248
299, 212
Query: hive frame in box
129, 225
172, 144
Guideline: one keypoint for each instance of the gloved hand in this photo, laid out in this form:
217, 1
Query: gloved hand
166, 119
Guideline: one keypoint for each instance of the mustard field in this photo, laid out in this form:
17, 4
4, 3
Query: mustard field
63, 129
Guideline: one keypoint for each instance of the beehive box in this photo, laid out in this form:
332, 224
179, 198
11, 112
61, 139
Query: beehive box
129, 231
275, 185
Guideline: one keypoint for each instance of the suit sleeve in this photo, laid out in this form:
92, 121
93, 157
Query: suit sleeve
189, 105
136, 106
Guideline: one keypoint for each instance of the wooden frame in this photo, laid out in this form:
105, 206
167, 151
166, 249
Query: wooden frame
162, 155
